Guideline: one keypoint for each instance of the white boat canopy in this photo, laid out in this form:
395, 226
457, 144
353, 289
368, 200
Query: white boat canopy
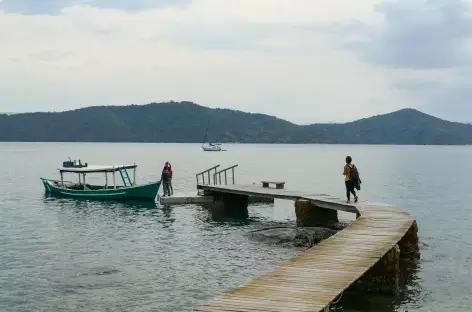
97, 168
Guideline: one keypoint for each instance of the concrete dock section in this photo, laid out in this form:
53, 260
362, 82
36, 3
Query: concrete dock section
185, 198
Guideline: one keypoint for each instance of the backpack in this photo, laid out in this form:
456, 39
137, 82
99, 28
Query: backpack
353, 173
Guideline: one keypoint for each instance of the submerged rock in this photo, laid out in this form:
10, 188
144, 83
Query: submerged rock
310, 236
274, 235
294, 236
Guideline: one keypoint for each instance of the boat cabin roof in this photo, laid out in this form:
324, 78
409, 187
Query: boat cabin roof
97, 168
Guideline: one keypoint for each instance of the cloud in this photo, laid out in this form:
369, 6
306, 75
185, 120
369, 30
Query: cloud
420, 34
260, 56
425, 44
445, 93
416, 85
55, 6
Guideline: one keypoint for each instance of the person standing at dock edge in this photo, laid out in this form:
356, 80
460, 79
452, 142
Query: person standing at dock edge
351, 179
169, 167
165, 179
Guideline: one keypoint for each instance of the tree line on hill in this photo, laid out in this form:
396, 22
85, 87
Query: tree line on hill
185, 122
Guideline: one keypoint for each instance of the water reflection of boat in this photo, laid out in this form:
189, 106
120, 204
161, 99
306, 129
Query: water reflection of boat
128, 190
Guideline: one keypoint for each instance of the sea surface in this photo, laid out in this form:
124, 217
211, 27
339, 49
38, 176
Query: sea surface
70, 255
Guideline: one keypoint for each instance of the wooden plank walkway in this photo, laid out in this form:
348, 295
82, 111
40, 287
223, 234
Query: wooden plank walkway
312, 280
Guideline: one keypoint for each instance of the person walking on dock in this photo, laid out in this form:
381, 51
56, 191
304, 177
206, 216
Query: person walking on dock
165, 179
351, 179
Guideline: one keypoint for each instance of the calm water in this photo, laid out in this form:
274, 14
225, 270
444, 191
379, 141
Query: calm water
69, 255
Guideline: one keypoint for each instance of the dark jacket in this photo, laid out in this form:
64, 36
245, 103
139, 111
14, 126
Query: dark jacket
165, 177
169, 168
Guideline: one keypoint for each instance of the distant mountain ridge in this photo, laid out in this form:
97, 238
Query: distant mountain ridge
185, 122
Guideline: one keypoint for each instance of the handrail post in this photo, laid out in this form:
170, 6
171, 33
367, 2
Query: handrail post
225, 171
216, 176
208, 172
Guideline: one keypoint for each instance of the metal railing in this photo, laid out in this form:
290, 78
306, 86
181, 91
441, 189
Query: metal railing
217, 175
207, 173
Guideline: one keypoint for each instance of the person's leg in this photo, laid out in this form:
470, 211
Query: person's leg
352, 189
164, 188
348, 193
171, 187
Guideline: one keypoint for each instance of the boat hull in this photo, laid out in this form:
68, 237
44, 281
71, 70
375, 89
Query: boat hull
146, 192
216, 148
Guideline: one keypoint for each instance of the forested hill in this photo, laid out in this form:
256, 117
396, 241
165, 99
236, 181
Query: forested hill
185, 122
406, 126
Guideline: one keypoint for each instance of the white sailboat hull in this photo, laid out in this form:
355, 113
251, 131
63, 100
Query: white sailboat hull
211, 148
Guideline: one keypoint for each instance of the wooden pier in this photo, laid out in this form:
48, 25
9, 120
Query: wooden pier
367, 250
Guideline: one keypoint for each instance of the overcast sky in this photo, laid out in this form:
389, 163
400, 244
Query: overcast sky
301, 60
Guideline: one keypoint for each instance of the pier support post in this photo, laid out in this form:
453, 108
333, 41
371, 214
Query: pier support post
409, 244
383, 277
311, 215
207, 193
231, 205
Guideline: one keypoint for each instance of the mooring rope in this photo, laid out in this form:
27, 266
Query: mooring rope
327, 308
339, 298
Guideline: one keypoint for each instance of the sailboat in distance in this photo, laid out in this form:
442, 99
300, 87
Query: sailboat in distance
210, 147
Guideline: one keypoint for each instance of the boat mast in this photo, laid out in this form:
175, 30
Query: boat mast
206, 133
205, 136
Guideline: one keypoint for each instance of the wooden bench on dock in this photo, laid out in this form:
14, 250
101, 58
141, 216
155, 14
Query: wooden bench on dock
278, 184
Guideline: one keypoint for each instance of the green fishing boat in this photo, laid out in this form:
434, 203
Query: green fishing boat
127, 190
